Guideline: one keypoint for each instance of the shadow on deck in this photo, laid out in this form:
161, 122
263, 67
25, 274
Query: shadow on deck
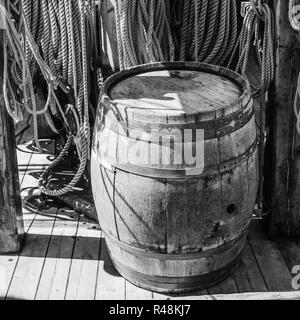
65, 257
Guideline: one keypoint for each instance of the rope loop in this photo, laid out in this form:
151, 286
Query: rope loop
56, 41
257, 29
257, 6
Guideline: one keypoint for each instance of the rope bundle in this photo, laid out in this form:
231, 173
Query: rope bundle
143, 32
257, 19
53, 42
206, 29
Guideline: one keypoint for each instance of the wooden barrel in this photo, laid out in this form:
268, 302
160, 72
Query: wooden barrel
174, 173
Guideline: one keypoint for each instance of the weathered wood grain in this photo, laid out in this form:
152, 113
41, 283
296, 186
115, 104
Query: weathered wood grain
290, 250
29, 267
11, 224
110, 285
82, 279
9, 262
56, 268
248, 276
109, 45
136, 293
271, 263
162, 222
284, 221
168, 91
227, 286
247, 296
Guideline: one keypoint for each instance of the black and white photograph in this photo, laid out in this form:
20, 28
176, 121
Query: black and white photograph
149, 153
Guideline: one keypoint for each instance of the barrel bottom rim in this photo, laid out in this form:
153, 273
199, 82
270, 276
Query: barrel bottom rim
163, 285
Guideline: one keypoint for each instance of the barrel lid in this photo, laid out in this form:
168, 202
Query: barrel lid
177, 90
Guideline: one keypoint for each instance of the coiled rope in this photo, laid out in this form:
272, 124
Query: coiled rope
206, 30
56, 40
257, 33
162, 30
295, 23
257, 18
293, 10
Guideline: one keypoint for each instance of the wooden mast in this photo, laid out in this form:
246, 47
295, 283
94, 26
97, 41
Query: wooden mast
11, 223
284, 174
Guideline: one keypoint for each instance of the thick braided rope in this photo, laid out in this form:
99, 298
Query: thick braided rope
184, 31
212, 22
84, 129
119, 34
63, 50
208, 30
295, 23
254, 20
201, 25
221, 35
233, 30
143, 32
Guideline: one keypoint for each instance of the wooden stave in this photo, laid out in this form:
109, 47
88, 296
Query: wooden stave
197, 283
215, 128
213, 267
217, 125
111, 148
117, 199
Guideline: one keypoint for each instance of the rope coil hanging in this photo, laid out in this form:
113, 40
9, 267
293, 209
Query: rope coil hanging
207, 30
257, 31
163, 30
56, 40
143, 32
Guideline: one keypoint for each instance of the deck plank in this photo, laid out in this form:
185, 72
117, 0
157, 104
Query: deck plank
289, 295
62, 258
248, 276
133, 292
9, 262
24, 157
161, 296
271, 263
84, 266
30, 263
290, 250
226, 287
54, 278
110, 285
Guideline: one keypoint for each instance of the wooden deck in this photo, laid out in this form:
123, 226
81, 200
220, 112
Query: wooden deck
65, 257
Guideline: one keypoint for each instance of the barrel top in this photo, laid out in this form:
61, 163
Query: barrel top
177, 89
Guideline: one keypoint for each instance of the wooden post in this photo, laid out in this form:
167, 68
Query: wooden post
108, 32
284, 174
11, 223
